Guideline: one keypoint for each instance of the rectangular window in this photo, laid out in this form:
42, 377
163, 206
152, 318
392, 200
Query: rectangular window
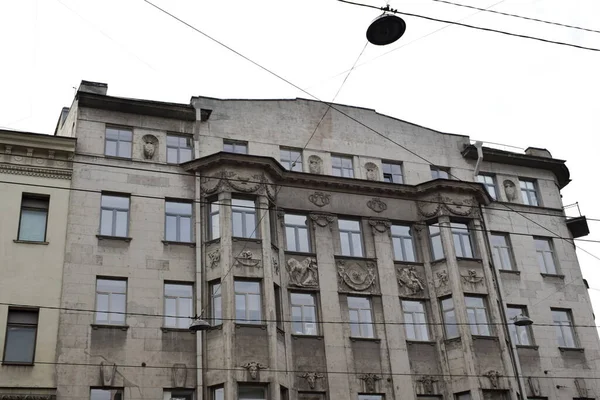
463, 396
529, 192
248, 309
489, 181
545, 255
415, 320
440, 172
217, 393
178, 221
370, 397
350, 237
462, 240
521, 335
342, 166
477, 316
278, 308
179, 149
232, 146
449, 315
361, 317
178, 395
34, 217
304, 313
213, 224
21, 333
252, 393
291, 159
216, 303
284, 393
402, 240
297, 236
114, 215
111, 299
243, 218
563, 321
106, 394
118, 142
392, 172
501, 251
435, 238
179, 305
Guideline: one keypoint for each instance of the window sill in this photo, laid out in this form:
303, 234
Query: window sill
527, 346
106, 326
453, 339
30, 242
18, 364
413, 342
170, 242
211, 241
364, 339
485, 337
509, 271
118, 157
415, 263
475, 259
107, 237
169, 329
300, 253
243, 239
556, 276
250, 325
343, 257
297, 336
571, 349
438, 261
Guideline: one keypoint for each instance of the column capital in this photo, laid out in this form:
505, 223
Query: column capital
323, 220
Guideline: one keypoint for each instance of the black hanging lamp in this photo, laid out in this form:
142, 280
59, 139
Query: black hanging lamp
386, 29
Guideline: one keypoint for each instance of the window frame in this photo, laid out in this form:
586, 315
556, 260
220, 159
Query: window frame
458, 233
360, 324
448, 326
213, 391
391, 174
526, 192
179, 147
296, 228
234, 145
214, 216
118, 141
415, 325
475, 328
178, 315
112, 391
188, 394
246, 320
244, 211
114, 211
264, 388
517, 331
341, 167
436, 169
497, 259
349, 234
303, 322
482, 178
109, 311
402, 243
296, 162
37, 197
543, 253
434, 238
371, 396
21, 325
559, 326
178, 220
214, 295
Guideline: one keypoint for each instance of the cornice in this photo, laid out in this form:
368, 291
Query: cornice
23, 139
35, 171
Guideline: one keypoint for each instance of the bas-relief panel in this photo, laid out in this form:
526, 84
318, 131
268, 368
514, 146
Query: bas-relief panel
237, 181
247, 258
357, 276
411, 281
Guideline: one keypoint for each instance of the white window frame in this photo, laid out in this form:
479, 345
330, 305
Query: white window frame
246, 295
294, 229
435, 238
236, 147
291, 158
359, 327
214, 221
448, 314
461, 236
244, 209
342, 171
33, 204
403, 242
120, 131
565, 328
182, 321
529, 191
113, 317
489, 181
415, 322
216, 302
307, 311
115, 212
521, 335
355, 245
179, 216
546, 257
388, 172
502, 252
477, 316
179, 147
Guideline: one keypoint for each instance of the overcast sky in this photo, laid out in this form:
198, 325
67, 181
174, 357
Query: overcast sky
488, 86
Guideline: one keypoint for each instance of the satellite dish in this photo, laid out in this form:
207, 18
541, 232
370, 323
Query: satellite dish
386, 29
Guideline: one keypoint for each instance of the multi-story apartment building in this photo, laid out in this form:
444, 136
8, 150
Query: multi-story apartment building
347, 266
35, 173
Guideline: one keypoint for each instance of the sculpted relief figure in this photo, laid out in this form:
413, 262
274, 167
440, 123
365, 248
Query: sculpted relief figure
315, 165
408, 278
372, 171
303, 274
149, 146
510, 190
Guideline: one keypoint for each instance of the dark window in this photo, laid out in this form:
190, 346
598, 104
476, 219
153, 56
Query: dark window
392, 172
34, 218
21, 332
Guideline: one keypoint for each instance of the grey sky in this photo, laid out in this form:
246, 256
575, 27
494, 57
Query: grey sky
492, 87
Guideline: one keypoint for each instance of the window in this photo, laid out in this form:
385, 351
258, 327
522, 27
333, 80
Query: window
304, 313
477, 316
440, 172
179, 306
350, 238
521, 335
21, 332
361, 318
291, 159
34, 217
178, 221
392, 172
217, 393
449, 315
111, 297
529, 192
370, 397
248, 308
179, 149
415, 320
284, 393
278, 308
114, 218
463, 396
243, 218
106, 394
252, 393
216, 303
501, 251
231, 146
296, 233
118, 142
437, 250
213, 225
178, 395
402, 241
462, 240
342, 166
489, 181
545, 255
563, 321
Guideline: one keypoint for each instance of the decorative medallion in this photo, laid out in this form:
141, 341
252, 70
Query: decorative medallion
178, 375
303, 274
428, 384
494, 377
253, 367
370, 381
380, 225
436, 205
356, 276
245, 259
311, 378
472, 277
320, 199
410, 281
377, 205
442, 278
149, 146
215, 258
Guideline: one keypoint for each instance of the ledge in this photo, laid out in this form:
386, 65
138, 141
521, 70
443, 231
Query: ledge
510, 271
30, 242
415, 263
215, 327
571, 349
300, 253
527, 346
297, 336
453, 339
417, 342
438, 261
474, 259
118, 157
168, 329
556, 276
170, 242
120, 238
249, 325
243, 239
106, 326
342, 257
484, 337
17, 364
211, 241
364, 339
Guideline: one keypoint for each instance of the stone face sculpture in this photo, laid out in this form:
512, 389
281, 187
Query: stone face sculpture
253, 367
494, 377
150, 143
372, 171
442, 278
315, 165
510, 190
428, 383
311, 378
303, 274
370, 381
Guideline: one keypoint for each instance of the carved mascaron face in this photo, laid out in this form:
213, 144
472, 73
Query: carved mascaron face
314, 165
149, 150
510, 190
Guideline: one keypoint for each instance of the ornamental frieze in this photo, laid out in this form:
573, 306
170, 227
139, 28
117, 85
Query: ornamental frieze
357, 276
223, 180
444, 205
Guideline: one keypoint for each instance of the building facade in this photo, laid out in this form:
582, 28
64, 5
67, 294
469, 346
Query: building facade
35, 173
347, 267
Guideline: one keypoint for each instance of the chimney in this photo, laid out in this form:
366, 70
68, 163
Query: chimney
93, 87
538, 152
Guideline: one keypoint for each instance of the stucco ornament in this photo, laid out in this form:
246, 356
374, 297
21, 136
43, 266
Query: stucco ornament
582, 390
303, 274
215, 258
246, 259
372, 171
444, 205
311, 378
380, 225
534, 386
510, 190
322, 220
178, 375
315, 164
377, 205
107, 373
410, 281
149, 146
275, 264
472, 277
494, 377
370, 381
427, 383
320, 199
442, 278
218, 182
253, 367
355, 276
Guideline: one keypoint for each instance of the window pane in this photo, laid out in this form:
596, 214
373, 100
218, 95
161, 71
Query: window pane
251, 393
121, 226
185, 233
124, 149
237, 225
218, 394
125, 135
250, 226
20, 342
111, 285
291, 219
171, 311
356, 245
172, 207
303, 240
111, 148
185, 155
185, 310
240, 308
112, 134
115, 201
345, 242
171, 228
117, 304
178, 290
172, 155
33, 225
336, 161
348, 225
